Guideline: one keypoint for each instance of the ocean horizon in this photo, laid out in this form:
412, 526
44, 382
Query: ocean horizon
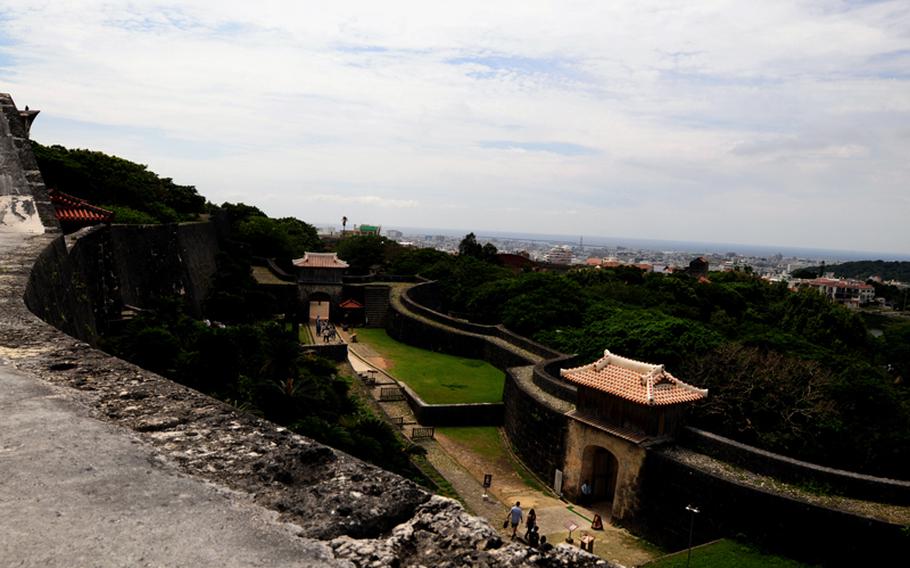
695, 247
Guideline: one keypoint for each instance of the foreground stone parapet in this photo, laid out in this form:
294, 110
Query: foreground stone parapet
442, 534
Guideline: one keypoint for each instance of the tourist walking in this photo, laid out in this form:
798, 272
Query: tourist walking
515, 516
530, 523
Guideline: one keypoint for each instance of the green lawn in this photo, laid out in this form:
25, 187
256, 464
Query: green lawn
486, 442
438, 378
304, 335
723, 554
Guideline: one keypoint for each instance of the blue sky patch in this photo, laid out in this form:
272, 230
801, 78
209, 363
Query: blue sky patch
561, 148
362, 49
496, 64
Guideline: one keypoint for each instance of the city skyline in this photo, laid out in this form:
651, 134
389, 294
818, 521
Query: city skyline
778, 124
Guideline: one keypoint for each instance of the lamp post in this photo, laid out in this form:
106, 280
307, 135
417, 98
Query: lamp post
694, 510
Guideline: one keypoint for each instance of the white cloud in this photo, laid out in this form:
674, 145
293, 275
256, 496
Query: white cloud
360, 200
457, 114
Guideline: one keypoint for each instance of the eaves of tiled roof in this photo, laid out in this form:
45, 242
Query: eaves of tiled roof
632, 380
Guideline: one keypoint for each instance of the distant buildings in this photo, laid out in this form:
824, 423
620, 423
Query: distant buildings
843, 291
559, 255
367, 230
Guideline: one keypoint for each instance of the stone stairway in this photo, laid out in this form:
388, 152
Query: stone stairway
376, 299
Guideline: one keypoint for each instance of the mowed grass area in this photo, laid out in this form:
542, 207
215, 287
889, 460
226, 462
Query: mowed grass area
486, 442
438, 378
725, 553
304, 335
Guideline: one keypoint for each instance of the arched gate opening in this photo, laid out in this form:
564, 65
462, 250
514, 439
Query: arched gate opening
599, 470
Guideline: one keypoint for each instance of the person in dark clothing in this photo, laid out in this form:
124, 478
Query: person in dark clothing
530, 523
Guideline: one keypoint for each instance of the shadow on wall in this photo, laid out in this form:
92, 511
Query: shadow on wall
82, 289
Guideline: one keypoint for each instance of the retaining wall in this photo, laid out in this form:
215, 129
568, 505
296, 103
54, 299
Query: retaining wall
332, 351
537, 431
412, 298
468, 414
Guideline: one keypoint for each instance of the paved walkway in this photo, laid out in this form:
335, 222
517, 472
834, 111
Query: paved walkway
78, 492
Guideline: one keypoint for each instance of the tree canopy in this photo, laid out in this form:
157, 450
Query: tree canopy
788, 371
130, 189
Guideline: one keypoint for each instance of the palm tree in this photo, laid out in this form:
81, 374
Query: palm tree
344, 223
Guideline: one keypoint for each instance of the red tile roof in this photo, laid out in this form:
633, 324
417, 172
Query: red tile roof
320, 260
74, 209
633, 380
839, 283
350, 303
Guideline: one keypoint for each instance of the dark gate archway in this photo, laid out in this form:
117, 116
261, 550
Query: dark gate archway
599, 469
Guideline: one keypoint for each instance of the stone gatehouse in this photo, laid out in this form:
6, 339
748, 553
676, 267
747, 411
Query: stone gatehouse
622, 407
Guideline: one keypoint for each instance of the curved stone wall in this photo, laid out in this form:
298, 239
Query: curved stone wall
847, 483
794, 527
535, 424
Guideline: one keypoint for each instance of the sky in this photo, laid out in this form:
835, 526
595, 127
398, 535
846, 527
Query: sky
772, 123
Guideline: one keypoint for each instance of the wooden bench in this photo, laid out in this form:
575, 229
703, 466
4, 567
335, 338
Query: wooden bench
398, 421
391, 394
423, 433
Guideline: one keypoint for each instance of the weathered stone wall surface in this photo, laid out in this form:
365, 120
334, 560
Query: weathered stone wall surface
535, 424
83, 280
74, 288
154, 261
799, 529
24, 205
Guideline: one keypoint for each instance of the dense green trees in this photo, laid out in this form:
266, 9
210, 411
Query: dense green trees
367, 253
861, 269
130, 189
281, 239
790, 372
259, 368
470, 247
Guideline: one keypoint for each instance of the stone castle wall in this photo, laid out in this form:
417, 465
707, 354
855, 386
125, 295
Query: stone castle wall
794, 527
842, 482
82, 281
535, 428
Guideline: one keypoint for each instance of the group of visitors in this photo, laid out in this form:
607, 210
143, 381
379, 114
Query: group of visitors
532, 530
326, 330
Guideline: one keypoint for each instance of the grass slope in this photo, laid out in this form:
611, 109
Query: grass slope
725, 553
438, 378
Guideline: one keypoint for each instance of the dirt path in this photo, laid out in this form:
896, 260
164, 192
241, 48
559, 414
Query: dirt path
553, 515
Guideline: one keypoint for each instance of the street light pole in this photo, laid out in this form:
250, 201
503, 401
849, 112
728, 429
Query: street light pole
694, 510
